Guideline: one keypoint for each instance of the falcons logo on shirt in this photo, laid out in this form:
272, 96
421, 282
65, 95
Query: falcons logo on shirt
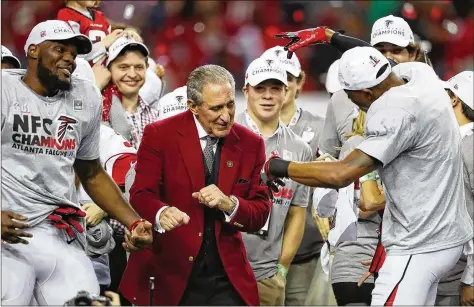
65, 125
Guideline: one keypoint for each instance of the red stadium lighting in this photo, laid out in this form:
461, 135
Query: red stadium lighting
271, 31
409, 11
298, 16
161, 49
436, 13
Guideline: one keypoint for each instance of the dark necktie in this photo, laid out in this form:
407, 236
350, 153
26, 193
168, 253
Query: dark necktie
209, 152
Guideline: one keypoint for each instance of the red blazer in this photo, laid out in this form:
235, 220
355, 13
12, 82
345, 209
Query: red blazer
169, 169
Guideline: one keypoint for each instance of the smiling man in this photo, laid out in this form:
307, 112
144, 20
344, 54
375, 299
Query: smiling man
50, 132
272, 249
128, 63
198, 178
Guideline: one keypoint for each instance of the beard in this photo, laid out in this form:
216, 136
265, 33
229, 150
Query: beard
50, 80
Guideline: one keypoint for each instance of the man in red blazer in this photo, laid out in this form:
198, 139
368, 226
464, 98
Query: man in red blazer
198, 177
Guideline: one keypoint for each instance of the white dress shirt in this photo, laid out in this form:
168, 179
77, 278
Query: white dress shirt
202, 140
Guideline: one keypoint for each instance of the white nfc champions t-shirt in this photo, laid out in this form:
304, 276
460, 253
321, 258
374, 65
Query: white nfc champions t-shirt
41, 139
412, 130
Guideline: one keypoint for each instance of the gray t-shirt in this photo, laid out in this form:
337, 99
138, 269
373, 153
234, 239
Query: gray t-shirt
340, 115
41, 138
451, 284
412, 131
346, 266
308, 127
264, 251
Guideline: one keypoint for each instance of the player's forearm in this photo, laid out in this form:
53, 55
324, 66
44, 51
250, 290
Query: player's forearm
293, 234
331, 175
343, 42
319, 174
103, 191
107, 195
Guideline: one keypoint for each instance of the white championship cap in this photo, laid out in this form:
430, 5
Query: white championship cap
173, 103
120, 44
332, 78
358, 68
393, 30
57, 30
292, 65
462, 86
7, 54
265, 69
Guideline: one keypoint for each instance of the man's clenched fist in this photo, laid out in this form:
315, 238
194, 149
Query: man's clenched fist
213, 197
172, 217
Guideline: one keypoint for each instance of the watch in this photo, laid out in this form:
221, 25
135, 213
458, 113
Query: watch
369, 176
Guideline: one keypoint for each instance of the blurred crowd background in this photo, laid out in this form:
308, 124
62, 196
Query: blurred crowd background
183, 34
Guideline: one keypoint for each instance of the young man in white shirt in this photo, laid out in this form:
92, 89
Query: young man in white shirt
411, 133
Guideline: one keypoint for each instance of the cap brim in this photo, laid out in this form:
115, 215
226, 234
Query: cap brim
263, 77
82, 42
117, 52
333, 85
446, 84
390, 39
14, 59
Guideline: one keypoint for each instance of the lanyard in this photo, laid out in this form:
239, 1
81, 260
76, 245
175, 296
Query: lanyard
253, 126
295, 117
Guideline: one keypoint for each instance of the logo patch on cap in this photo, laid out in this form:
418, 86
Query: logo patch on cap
179, 98
388, 23
42, 33
269, 62
277, 52
374, 60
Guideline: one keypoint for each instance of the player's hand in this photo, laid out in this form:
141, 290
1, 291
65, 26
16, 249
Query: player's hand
132, 33
467, 295
366, 274
212, 197
266, 170
326, 158
274, 185
102, 74
172, 217
94, 214
111, 38
11, 229
160, 71
114, 299
303, 38
139, 238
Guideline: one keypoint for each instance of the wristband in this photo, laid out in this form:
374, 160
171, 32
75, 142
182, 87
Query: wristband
282, 270
278, 167
135, 224
369, 176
